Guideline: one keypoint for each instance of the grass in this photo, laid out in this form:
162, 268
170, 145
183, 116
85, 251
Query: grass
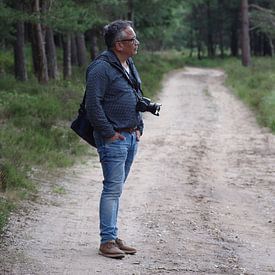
256, 87
59, 190
35, 133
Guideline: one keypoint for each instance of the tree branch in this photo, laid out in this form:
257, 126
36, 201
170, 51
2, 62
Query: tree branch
257, 7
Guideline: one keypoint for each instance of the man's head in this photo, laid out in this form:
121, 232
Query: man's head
120, 36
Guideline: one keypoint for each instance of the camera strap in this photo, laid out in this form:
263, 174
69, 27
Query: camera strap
136, 86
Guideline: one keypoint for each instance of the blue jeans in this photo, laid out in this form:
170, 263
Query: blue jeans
116, 159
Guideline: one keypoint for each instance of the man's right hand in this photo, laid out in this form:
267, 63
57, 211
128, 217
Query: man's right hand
116, 136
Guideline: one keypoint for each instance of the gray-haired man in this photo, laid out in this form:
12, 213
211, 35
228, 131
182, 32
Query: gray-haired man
113, 84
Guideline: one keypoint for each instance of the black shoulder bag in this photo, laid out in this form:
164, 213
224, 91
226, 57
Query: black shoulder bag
82, 126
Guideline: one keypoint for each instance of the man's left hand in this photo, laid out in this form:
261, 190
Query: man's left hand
137, 135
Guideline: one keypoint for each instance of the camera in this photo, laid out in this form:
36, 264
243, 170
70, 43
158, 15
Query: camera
144, 104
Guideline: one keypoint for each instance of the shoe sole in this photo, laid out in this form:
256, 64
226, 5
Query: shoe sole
113, 256
129, 252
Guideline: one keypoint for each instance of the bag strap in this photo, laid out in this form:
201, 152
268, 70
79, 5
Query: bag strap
84, 99
125, 74
82, 104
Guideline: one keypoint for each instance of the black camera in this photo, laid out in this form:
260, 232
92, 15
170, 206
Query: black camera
144, 104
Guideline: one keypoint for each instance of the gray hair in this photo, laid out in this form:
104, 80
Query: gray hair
115, 31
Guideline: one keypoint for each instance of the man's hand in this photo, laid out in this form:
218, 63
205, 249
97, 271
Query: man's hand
138, 135
116, 136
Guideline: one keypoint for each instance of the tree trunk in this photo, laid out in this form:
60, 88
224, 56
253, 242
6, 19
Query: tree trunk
261, 43
271, 46
210, 45
234, 39
74, 58
67, 66
191, 44
81, 50
19, 56
199, 50
42, 68
267, 47
94, 47
34, 52
58, 39
51, 54
130, 14
221, 44
221, 27
246, 55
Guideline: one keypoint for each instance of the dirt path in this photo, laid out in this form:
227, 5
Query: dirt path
200, 198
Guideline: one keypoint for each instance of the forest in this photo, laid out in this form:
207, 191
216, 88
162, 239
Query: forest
207, 28
45, 46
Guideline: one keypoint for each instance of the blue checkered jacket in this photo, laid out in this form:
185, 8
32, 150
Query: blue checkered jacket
110, 98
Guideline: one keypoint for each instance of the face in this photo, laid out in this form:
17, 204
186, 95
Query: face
129, 44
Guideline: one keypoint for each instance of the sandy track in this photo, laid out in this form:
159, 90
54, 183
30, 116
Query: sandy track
200, 198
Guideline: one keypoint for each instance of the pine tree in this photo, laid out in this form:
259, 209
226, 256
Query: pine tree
246, 55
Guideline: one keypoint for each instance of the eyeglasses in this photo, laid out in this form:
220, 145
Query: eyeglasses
132, 40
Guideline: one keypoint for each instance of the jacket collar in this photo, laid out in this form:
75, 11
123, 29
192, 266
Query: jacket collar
110, 57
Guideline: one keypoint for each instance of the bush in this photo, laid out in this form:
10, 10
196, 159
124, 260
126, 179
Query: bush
35, 129
255, 85
6, 64
267, 107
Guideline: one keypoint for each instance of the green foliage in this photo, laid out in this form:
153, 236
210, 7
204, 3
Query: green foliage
205, 62
256, 87
35, 132
267, 107
6, 62
9, 15
263, 19
35, 126
60, 190
68, 16
157, 22
7, 19
13, 177
79, 16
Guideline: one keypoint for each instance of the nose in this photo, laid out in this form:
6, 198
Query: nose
136, 41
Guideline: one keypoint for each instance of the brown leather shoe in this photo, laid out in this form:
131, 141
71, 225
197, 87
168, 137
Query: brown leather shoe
125, 248
111, 250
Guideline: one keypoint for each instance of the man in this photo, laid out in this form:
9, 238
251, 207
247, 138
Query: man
113, 85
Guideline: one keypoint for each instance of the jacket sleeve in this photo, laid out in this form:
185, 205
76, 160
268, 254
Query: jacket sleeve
96, 86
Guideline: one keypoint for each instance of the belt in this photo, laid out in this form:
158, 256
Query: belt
128, 130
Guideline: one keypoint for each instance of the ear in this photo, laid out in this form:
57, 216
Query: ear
118, 46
